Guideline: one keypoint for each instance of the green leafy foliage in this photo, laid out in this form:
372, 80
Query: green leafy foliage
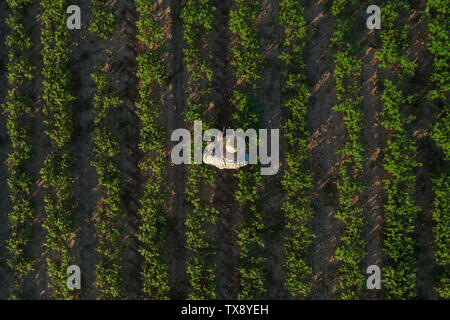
152, 231
18, 109
400, 209
246, 57
56, 172
106, 149
109, 269
297, 178
394, 38
56, 175
439, 28
103, 23
347, 72
246, 61
197, 19
441, 217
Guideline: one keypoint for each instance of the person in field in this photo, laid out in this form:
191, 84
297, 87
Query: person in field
223, 154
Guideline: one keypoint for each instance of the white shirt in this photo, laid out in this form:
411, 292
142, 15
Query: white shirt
213, 156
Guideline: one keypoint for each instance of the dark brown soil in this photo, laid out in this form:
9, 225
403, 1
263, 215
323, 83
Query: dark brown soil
173, 102
124, 47
227, 259
327, 131
427, 154
85, 56
374, 138
269, 99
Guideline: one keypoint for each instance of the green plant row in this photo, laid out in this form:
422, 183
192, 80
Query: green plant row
19, 110
109, 211
400, 209
56, 172
246, 62
438, 45
441, 233
197, 19
152, 231
103, 23
347, 72
297, 178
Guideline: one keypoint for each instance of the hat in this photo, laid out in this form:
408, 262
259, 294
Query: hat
232, 143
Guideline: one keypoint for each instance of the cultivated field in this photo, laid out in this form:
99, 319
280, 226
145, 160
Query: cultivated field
86, 176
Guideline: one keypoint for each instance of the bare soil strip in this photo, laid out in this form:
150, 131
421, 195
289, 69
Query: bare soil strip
374, 137
125, 81
85, 56
222, 71
327, 132
173, 104
5, 274
269, 99
227, 258
427, 155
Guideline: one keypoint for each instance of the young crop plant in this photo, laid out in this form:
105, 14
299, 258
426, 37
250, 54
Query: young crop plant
110, 210
347, 72
197, 19
246, 61
394, 39
152, 231
246, 57
438, 45
103, 23
56, 172
400, 209
441, 233
19, 111
297, 178
109, 269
